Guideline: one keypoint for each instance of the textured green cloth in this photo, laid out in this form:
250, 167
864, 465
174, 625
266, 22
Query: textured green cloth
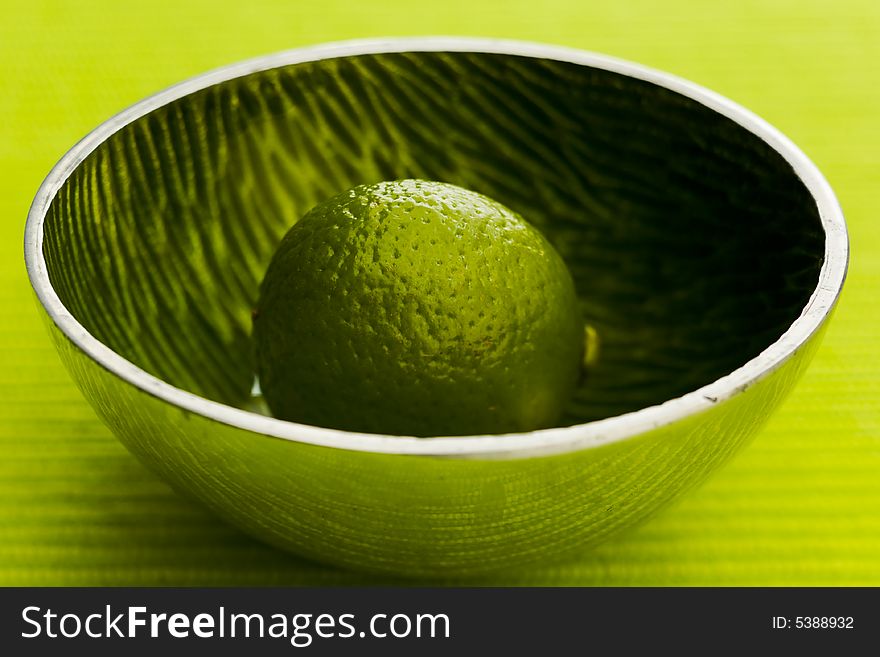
801, 506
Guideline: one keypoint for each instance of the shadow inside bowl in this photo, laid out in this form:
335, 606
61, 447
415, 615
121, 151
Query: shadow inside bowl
693, 244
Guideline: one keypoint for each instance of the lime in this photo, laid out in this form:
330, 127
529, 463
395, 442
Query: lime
417, 308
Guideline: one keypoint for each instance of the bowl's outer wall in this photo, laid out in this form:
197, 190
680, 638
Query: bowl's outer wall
423, 516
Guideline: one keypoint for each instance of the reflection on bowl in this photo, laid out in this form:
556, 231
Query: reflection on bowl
707, 250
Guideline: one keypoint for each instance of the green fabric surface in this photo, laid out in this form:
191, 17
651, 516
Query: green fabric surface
800, 506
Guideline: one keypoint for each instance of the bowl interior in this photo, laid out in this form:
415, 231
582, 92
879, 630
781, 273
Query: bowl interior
693, 244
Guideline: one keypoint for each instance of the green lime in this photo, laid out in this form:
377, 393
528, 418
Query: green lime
417, 308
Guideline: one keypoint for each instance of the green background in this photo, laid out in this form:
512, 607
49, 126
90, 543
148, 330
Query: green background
801, 506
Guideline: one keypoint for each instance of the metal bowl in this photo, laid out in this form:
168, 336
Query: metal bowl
708, 253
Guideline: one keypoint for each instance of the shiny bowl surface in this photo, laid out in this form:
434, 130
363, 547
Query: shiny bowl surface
707, 250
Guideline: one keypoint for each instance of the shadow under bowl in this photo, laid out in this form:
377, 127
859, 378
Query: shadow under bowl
707, 252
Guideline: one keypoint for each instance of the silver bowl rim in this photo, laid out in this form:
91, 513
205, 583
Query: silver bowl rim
502, 446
